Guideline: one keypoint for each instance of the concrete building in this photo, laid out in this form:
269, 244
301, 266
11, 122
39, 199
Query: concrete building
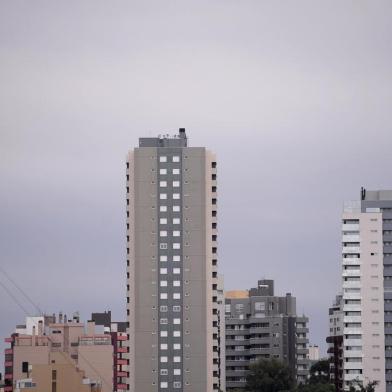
367, 289
37, 347
119, 336
335, 343
172, 288
262, 325
59, 375
314, 352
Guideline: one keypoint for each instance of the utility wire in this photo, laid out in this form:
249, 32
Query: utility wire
110, 385
8, 291
21, 291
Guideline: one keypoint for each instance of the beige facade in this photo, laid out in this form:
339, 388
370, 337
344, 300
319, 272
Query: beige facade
363, 298
60, 375
66, 343
172, 267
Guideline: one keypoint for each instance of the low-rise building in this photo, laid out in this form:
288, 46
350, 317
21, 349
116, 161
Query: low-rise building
44, 342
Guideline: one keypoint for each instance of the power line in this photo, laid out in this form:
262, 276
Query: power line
13, 297
21, 291
110, 385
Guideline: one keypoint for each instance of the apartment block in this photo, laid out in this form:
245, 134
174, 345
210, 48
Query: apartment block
118, 332
259, 325
46, 346
172, 277
335, 343
367, 289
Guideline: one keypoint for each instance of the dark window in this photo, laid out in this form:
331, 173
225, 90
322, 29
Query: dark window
54, 375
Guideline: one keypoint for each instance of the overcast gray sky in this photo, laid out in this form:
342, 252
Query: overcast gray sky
294, 97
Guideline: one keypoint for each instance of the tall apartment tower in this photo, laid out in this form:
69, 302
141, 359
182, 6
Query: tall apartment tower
261, 325
172, 279
367, 289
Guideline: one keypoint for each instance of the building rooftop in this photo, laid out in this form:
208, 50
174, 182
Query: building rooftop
377, 195
179, 140
237, 294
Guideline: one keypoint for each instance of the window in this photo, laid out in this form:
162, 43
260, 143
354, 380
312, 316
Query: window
176, 221
163, 296
164, 384
176, 271
176, 346
176, 184
163, 184
176, 283
163, 271
163, 233
176, 296
164, 372
163, 321
176, 321
176, 258
176, 334
176, 245
163, 283
176, 196
163, 258
176, 158
163, 346
176, 359
163, 196
177, 372
176, 171
176, 308
163, 334
259, 306
163, 221
176, 233
163, 171
163, 245
162, 158
163, 208
176, 208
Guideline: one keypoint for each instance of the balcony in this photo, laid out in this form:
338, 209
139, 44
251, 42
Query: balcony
122, 387
352, 284
352, 308
352, 296
352, 319
122, 374
352, 331
350, 238
122, 349
122, 337
352, 261
351, 273
8, 340
350, 227
352, 342
351, 249
8, 351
